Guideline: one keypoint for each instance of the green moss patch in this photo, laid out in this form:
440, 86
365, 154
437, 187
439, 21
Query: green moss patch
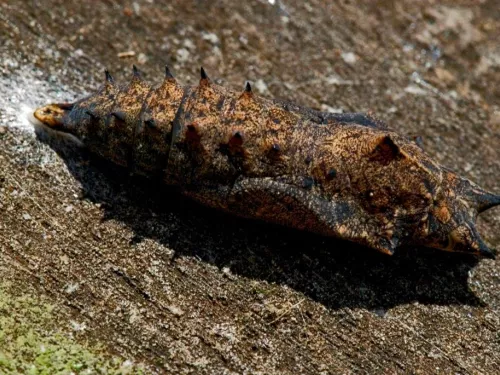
32, 344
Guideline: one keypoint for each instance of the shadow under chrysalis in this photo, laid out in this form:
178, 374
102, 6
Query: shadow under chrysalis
332, 272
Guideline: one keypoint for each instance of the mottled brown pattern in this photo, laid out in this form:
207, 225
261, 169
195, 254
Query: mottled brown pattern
154, 128
345, 176
125, 115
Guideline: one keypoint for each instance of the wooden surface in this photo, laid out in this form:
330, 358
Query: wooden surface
185, 289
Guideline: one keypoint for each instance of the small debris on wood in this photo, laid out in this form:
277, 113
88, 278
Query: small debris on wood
126, 54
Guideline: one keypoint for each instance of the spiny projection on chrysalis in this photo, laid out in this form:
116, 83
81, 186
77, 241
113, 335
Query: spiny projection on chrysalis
341, 175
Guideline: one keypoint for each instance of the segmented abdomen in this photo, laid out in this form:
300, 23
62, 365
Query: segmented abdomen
198, 136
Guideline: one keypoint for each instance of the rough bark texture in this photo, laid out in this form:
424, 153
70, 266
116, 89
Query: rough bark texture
186, 289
